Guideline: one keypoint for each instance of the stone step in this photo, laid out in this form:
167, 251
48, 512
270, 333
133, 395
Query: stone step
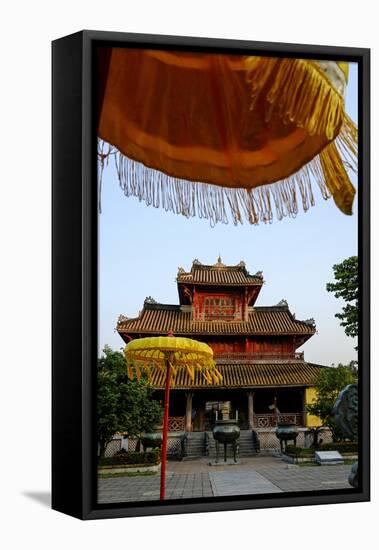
229, 452
245, 446
242, 443
240, 446
196, 445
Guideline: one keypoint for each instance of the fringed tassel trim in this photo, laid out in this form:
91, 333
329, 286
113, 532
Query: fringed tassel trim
104, 154
288, 85
329, 170
337, 179
298, 91
338, 159
214, 202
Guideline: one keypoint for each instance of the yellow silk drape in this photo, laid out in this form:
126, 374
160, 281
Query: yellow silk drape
227, 120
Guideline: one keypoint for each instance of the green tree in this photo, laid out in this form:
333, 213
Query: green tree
123, 405
329, 383
346, 287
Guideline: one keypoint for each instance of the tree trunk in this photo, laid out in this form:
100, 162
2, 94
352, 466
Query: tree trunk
102, 445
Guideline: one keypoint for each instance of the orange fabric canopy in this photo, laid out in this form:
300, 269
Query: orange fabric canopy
232, 121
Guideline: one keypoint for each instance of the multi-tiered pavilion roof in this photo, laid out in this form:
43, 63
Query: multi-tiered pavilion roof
243, 369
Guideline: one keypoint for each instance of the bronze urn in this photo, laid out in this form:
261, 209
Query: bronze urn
226, 432
286, 432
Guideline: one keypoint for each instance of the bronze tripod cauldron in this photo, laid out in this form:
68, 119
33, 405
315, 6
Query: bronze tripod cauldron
226, 432
286, 432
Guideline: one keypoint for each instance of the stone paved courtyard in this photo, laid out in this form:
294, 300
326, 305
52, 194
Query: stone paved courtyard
195, 478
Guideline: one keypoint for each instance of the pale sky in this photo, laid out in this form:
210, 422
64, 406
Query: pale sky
141, 248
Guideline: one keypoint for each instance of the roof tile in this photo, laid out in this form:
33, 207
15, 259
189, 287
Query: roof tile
219, 274
159, 319
246, 376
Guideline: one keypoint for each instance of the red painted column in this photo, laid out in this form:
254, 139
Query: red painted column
165, 429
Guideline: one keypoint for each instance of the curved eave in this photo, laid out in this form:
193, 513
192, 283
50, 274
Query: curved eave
142, 333
189, 281
159, 319
246, 376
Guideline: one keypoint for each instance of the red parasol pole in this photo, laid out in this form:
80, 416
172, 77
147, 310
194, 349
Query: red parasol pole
165, 429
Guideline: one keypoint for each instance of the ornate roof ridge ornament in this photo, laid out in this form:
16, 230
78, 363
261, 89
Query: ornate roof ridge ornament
219, 264
283, 303
150, 300
311, 322
121, 318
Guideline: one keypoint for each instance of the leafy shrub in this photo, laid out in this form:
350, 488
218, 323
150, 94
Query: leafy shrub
123, 458
123, 405
341, 446
330, 381
299, 451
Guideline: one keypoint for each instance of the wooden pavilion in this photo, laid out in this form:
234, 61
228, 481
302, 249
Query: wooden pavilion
265, 379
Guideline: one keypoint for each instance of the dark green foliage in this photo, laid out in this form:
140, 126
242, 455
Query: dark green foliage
123, 405
329, 383
291, 450
341, 446
131, 458
346, 287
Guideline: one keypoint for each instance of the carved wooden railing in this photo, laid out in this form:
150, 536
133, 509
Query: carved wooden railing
272, 420
176, 423
246, 357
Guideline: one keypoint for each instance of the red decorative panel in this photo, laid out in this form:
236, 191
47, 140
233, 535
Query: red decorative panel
221, 306
272, 420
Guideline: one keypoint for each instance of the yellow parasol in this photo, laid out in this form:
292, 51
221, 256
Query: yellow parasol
169, 354
198, 133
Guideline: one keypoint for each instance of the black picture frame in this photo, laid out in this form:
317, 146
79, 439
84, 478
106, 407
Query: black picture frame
74, 273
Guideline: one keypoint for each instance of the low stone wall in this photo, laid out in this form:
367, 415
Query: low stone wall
269, 443
128, 468
173, 444
130, 444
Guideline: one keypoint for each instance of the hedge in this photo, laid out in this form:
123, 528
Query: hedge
299, 451
341, 446
123, 457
